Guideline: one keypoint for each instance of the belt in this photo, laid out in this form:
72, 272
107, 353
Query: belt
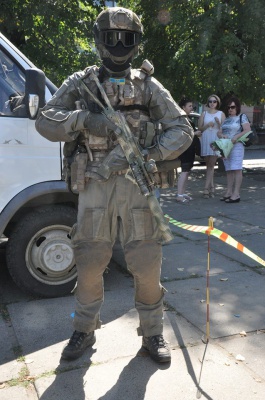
122, 172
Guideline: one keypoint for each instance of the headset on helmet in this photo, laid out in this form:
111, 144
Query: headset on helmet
117, 32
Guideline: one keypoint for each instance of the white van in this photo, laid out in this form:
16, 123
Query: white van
36, 207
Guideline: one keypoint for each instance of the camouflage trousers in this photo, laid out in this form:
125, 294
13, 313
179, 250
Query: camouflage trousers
103, 210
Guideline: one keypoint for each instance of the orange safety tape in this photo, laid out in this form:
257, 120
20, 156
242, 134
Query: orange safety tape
220, 235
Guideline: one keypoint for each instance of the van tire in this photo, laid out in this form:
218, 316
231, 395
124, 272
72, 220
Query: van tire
39, 256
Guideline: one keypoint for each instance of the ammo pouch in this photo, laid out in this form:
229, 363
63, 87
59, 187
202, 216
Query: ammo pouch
149, 131
78, 170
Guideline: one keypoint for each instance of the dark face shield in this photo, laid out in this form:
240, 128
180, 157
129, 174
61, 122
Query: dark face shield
119, 58
127, 38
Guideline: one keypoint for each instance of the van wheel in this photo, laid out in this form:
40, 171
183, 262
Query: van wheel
39, 255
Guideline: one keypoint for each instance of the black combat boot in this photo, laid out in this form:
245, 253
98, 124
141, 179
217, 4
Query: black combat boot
77, 344
157, 347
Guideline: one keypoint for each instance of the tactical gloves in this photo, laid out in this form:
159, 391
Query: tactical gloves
98, 124
115, 161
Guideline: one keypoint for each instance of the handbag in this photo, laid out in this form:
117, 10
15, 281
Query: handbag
252, 137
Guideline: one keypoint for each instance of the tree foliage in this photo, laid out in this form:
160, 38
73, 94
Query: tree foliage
55, 34
198, 47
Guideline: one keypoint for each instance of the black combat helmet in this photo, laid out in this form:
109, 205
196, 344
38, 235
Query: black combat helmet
117, 32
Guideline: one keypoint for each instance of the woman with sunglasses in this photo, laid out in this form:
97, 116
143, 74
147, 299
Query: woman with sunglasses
234, 126
209, 124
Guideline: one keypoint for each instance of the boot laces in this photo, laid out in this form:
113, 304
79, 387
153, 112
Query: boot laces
158, 341
77, 338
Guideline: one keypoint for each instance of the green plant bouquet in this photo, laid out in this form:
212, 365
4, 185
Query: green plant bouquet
223, 147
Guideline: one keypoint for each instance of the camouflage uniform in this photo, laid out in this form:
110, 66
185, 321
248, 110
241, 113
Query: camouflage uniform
115, 205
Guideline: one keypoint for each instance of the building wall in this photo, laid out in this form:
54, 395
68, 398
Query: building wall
248, 111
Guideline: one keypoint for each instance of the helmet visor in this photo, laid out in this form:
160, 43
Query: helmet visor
111, 38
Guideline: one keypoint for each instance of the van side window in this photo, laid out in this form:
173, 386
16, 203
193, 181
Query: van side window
12, 88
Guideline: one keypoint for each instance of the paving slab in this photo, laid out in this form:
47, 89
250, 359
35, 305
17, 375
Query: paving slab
44, 326
9, 367
138, 377
253, 242
183, 212
42, 340
189, 259
251, 347
18, 393
221, 222
236, 304
251, 236
252, 196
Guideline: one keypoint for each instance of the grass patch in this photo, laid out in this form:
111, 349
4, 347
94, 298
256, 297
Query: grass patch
23, 379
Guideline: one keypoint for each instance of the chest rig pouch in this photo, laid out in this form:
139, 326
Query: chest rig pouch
127, 95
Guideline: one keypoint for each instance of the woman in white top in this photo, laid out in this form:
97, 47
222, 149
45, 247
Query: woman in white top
235, 126
209, 124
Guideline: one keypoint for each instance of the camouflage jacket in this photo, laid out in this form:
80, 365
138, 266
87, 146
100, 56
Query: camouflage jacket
152, 114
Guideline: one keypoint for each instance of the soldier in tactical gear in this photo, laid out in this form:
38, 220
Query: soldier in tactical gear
113, 204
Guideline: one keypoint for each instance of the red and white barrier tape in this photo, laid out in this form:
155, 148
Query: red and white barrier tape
220, 235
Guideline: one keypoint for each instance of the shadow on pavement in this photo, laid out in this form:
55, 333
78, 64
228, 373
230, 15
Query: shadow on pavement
186, 356
127, 379
62, 388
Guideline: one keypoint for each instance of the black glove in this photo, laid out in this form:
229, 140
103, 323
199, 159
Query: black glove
115, 161
98, 124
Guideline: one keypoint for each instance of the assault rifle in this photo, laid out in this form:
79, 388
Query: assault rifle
143, 171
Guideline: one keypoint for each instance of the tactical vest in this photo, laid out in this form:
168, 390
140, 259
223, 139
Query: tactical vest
127, 95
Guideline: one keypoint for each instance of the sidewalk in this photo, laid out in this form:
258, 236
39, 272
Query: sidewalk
33, 331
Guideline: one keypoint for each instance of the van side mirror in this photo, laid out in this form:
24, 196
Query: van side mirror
34, 91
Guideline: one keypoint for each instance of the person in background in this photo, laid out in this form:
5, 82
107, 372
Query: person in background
209, 124
187, 158
234, 126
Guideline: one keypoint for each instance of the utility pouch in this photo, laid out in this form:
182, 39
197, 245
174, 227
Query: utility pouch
78, 170
147, 133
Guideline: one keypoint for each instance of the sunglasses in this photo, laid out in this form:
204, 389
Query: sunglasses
212, 101
111, 38
232, 107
